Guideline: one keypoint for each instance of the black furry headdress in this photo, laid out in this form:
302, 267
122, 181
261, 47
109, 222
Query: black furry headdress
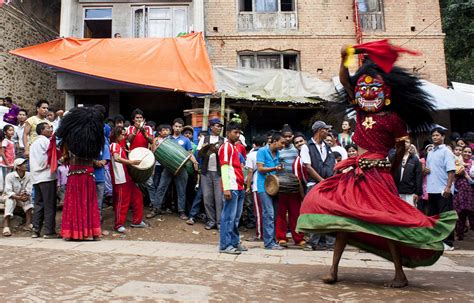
408, 99
82, 131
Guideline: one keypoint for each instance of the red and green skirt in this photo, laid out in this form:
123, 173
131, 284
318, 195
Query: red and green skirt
365, 203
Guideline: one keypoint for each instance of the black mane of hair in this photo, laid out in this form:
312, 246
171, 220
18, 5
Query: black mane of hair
82, 130
408, 99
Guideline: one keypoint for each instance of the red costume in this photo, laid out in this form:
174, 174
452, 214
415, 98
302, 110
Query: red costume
82, 136
364, 201
81, 217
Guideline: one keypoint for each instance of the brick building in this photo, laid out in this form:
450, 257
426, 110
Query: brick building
308, 35
22, 24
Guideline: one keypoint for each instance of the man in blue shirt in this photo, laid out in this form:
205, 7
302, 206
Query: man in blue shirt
180, 180
268, 162
440, 170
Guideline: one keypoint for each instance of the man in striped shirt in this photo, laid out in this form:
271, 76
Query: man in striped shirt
232, 178
289, 204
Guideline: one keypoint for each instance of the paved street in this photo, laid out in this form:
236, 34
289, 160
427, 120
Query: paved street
118, 270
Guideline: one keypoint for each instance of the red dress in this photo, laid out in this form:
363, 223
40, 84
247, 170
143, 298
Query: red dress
81, 217
364, 201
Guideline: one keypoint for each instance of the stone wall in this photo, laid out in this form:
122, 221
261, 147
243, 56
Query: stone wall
324, 26
23, 80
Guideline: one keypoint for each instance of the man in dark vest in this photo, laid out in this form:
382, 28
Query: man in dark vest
319, 161
210, 173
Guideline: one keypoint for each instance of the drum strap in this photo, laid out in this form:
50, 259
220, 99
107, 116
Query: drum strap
205, 159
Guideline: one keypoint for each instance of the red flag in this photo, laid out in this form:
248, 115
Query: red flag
53, 154
383, 53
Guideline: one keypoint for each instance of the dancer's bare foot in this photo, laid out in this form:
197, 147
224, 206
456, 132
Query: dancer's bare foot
330, 277
397, 283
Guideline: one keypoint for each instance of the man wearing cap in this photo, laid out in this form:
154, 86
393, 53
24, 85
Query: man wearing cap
210, 173
319, 161
18, 188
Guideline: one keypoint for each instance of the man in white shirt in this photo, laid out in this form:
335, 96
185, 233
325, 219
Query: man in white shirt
18, 189
317, 155
44, 183
210, 174
319, 161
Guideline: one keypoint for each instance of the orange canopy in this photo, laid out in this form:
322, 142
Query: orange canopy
180, 63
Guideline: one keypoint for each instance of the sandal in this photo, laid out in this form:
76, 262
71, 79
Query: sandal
28, 227
7, 232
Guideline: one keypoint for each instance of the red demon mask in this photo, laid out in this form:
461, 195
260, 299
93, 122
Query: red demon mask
371, 94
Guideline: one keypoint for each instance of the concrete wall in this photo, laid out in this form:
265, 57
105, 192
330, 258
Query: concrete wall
26, 81
324, 26
73, 14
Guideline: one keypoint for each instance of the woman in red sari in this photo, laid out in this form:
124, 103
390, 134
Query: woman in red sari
82, 138
362, 205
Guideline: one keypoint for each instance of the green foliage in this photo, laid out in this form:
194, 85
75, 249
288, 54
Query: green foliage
458, 25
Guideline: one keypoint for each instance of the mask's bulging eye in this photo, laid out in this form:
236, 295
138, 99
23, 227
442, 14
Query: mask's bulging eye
374, 89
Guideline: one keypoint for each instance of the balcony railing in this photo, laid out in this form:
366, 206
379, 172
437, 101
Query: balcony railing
372, 21
253, 21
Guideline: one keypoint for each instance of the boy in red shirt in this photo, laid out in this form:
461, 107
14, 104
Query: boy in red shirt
234, 194
126, 194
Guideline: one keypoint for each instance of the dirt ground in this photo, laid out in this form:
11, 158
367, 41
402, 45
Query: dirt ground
170, 228
167, 228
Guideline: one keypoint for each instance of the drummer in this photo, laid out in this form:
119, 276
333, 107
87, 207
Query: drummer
163, 132
126, 193
141, 135
180, 180
268, 162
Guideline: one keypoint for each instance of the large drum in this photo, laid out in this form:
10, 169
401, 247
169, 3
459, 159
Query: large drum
281, 183
173, 156
142, 172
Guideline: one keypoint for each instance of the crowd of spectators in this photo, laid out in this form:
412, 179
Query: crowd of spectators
227, 187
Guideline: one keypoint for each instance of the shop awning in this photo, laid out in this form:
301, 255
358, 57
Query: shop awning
179, 64
272, 85
448, 99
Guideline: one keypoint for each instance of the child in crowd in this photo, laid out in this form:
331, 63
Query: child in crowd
352, 150
163, 131
7, 152
126, 193
338, 156
62, 172
458, 160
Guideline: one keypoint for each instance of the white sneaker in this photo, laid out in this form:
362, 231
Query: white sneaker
447, 247
121, 229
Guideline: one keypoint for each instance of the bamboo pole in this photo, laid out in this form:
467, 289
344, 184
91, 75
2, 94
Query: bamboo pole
222, 110
205, 115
